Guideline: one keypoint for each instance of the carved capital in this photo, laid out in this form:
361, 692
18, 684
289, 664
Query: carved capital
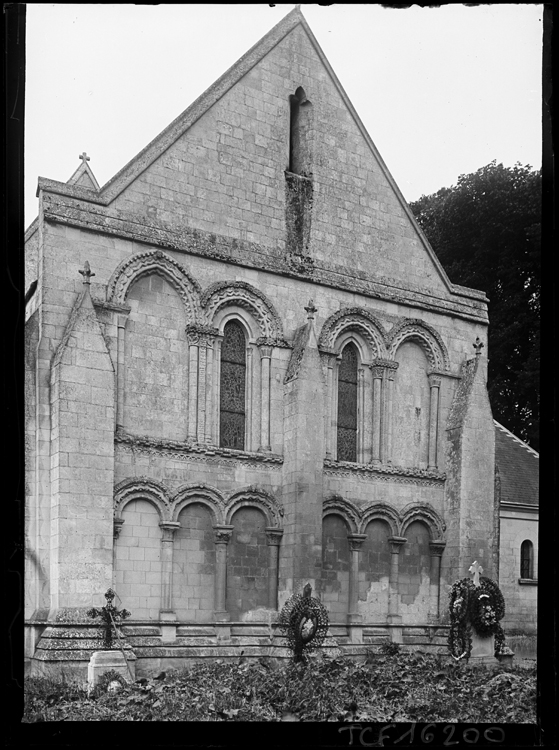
168, 529
117, 526
434, 380
265, 351
382, 367
273, 536
436, 548
122, 317
396, 543
200, 335
223, 534
356, 541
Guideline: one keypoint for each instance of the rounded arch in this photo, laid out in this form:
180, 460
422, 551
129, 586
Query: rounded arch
366, 328
224, 294
381, 512
426, 514
142, 488
257, 498
336, 505
411, 329
156, 261
250, 325
202, 494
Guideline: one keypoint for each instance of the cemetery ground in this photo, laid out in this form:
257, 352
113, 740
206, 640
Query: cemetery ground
389, 686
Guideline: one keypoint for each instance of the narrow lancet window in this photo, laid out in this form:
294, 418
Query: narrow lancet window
347, 405
526, 559
232, 400
299, 147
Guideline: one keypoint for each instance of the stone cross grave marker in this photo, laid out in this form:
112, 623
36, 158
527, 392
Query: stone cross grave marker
477, 570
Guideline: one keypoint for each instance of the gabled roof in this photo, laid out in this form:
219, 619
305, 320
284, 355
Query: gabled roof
518, 467
117, 184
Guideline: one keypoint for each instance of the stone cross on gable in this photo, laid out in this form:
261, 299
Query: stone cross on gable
477, 570
87, 273
84, 157
311, 309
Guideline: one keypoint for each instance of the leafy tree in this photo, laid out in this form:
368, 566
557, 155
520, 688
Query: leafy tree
486, 232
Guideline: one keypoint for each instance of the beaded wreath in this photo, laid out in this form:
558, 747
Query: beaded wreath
480, 607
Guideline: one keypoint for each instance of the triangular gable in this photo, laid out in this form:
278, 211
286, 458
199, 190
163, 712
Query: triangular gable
84, 176
169, 136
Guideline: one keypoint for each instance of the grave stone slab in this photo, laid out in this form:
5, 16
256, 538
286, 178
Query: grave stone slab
105, 661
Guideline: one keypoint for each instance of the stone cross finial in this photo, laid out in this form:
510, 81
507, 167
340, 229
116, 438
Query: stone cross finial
478, 346
84, 157
477, 570
87, 273
311, 309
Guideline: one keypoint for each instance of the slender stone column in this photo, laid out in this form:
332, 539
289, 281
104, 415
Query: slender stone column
265, 362
121, 325
329, 441
335, 372
360, 415
117, 528
217, 381
273, 539
222, 537
388, 406
202, 375
436, 550
193, 343
434, 385
377, 372
168, 529
396, 543
209, 430
248, 401
355, 544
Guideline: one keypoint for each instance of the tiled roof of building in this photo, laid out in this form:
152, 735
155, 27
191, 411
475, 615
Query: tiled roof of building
518, 466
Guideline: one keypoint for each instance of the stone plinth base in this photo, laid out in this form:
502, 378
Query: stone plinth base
106, 661
483, 649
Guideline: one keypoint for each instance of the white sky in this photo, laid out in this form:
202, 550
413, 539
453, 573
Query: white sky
442, 91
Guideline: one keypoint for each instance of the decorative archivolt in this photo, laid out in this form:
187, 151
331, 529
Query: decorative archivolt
142, 488
228, 293
411, 329
357, 519
359, 321
381, 512
203, 494
169, 505
158, 262
255, 497
425, 514
336, 505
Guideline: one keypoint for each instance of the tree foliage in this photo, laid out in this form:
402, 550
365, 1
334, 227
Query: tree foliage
486, 232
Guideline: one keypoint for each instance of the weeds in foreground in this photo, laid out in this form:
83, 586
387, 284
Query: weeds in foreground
399, 687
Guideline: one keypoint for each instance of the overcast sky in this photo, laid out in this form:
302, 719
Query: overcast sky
441, 91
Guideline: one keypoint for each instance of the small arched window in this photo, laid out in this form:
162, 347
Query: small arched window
526, 559
347, 405
232, 402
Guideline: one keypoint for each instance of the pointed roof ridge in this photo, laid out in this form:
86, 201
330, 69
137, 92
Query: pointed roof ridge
516, 439
201, 105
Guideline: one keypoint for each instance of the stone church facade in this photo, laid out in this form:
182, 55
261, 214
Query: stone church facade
247, 371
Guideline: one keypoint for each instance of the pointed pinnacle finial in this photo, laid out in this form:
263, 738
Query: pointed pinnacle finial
311, 309
478, 346
87, 273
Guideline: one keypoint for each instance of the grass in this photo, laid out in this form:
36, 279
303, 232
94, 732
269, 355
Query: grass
386, 688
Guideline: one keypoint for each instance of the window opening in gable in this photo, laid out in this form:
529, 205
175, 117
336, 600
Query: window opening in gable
232, 414
347, 405
526, 559
299, 126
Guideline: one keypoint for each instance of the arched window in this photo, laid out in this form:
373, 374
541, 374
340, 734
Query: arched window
299, 125
526, 559
347, 405
232, 408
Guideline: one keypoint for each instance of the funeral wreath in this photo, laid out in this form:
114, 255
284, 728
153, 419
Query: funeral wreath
478, 607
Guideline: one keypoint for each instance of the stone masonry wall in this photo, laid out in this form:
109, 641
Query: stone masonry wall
521, 600
335, 567
247, 562
194, 565
137, 576
413, 574
374, 572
